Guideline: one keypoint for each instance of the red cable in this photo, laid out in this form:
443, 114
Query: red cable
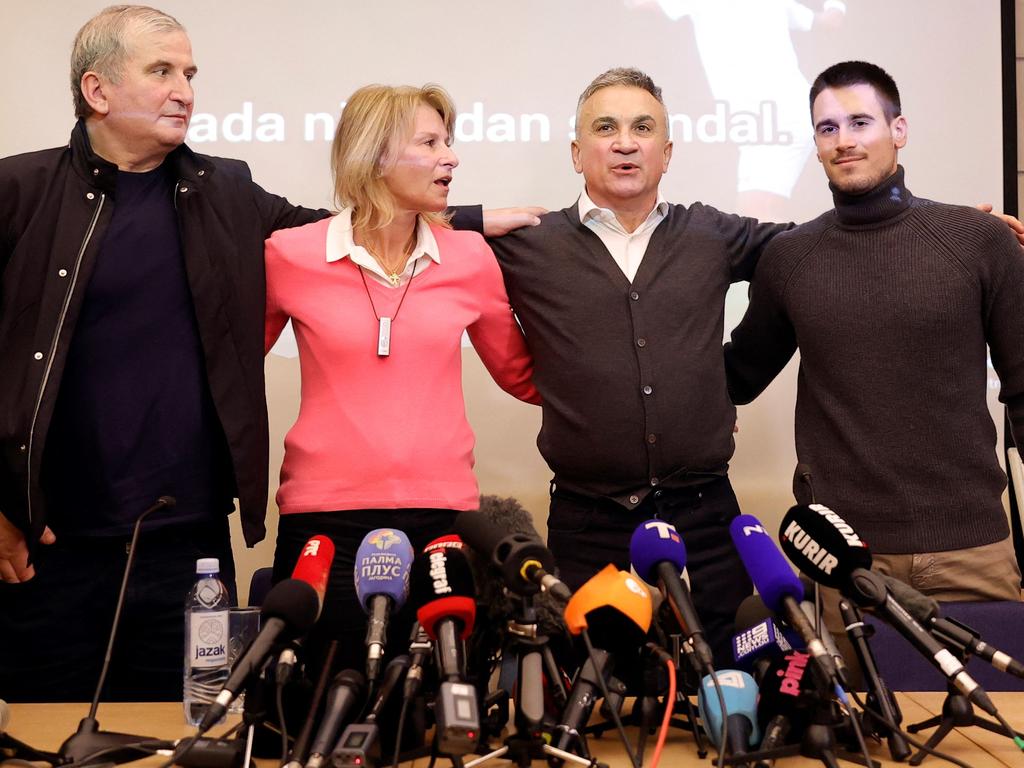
670, 705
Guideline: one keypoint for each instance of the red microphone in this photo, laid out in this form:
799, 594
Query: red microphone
314, 566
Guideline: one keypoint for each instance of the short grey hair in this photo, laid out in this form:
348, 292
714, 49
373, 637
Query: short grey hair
628, 76
102, 44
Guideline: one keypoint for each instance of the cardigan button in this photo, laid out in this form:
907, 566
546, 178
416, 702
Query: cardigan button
648, 389
634, 295
641, 342
634, 499
655, 481
652, 438
62, 272
38, 355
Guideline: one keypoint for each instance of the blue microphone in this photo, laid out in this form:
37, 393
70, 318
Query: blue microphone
381, 576
658, 556
778, 586
740, 693
758, 645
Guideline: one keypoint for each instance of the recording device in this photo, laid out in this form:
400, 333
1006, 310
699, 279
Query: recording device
740, 693
658, 555
826, 548
950, 631
524, 561
289, 610
358, 740
442, 584
778, 586
381, 576
344, 696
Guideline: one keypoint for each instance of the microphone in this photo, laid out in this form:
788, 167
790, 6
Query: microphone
346, 692
827, 549
88, 739
783, 707
358, 739
778, 586
381, 576
755, 647
740, 717
811, 612
442, 583
289, 610
616, 609
524, 561
802, 476
658, 555
950, 631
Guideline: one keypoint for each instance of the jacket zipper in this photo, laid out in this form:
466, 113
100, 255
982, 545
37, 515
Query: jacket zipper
53, 347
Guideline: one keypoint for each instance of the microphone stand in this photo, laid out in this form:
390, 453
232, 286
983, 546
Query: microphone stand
644, 715
88, 739
957, 712
879, 696
533, 659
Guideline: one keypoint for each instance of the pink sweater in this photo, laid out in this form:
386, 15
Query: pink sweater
387, 432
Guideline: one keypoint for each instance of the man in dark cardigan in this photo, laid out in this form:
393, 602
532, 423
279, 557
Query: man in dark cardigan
894, 301
622, 297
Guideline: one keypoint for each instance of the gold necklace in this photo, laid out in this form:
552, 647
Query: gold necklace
392, 274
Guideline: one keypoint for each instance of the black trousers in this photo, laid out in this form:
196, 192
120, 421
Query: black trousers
342, 617
54, 628
586, 534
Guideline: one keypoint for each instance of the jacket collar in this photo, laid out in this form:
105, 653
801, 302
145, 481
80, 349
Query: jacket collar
182, 162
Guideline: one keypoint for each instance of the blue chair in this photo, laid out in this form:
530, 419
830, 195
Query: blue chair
1001, 625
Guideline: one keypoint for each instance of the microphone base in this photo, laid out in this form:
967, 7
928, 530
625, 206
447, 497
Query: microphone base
88, 739
12, 749
957, 712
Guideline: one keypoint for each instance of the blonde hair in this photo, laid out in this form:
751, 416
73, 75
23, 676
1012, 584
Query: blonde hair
376, 119
101, 45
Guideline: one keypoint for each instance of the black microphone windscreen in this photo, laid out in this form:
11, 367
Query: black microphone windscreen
752, 611
479, 532
295, 602
822, 545
921, 607
787, 689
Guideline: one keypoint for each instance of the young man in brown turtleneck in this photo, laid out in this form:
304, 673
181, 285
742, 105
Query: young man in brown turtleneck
892, 300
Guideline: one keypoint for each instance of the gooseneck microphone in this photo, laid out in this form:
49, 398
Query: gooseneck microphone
88, 738
289, 610
524, 561
658, 555
778, 586
381, 576
827, 549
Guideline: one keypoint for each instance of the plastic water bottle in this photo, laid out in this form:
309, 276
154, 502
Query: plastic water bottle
206, 640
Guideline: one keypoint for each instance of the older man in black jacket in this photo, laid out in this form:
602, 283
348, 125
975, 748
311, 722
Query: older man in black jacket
132, 298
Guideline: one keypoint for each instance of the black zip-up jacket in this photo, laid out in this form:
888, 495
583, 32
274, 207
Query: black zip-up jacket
55, 205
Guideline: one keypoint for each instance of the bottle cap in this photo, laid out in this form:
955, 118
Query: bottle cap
208, 565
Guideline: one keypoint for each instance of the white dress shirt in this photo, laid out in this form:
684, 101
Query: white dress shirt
627, 248
340, 245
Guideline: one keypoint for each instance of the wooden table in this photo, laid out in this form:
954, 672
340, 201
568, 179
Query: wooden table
45, 726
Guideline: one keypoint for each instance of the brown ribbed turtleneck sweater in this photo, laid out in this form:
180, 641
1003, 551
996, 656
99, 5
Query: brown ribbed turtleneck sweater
892, 300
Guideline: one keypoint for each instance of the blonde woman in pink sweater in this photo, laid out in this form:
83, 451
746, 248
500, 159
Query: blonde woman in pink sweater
379, 296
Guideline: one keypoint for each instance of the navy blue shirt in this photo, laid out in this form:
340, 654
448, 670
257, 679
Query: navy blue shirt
134, 418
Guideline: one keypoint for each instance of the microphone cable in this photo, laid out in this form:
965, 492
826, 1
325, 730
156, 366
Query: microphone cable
605, 693
670, 701
279, 699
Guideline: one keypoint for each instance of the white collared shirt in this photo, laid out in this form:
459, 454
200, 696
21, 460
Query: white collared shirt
340, 245
627, 248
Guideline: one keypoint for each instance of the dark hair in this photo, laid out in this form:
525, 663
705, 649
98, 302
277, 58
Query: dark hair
848, 73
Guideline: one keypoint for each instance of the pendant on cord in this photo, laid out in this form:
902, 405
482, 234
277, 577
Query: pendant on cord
384, 337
